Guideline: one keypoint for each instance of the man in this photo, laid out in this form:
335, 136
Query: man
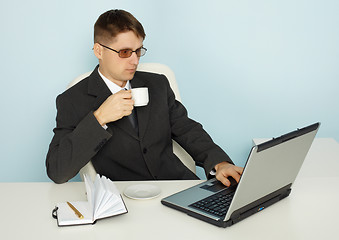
94, 118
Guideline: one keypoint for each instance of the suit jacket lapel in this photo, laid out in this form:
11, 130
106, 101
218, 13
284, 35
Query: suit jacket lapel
97, 88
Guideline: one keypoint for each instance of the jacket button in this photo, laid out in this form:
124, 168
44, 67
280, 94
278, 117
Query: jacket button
144, 150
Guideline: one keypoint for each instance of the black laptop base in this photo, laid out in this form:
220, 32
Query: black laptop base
260, 204
241, 213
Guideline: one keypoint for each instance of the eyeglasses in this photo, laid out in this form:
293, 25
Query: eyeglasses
126, 53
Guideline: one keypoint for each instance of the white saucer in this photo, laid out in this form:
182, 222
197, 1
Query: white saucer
142, 191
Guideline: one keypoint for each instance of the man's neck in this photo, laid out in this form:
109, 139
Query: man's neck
121, 84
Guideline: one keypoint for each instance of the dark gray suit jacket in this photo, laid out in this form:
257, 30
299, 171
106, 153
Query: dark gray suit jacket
120, 153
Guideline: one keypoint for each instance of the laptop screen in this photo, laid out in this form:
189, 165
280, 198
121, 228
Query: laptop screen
271, 166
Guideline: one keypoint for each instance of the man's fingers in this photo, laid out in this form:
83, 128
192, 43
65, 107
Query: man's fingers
224, 180
236, 173
115, 107
236, 176
124, 94
229, 171
223, 177
239, 169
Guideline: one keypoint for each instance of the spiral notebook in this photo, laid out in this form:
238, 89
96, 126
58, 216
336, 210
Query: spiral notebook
104, 200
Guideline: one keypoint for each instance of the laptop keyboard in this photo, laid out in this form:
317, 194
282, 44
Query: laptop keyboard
216, 204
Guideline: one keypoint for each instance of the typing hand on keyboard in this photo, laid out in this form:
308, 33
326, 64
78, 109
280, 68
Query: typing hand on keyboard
225, 170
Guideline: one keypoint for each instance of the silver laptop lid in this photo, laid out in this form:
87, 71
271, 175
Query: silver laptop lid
271, 166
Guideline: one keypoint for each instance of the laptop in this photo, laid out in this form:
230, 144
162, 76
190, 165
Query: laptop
268, 175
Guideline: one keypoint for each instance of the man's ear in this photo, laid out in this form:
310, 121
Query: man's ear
97, 49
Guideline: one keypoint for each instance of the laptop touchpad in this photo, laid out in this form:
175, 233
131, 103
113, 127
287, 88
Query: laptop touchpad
214, 186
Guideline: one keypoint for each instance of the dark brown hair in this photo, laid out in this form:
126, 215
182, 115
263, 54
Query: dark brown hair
113, 22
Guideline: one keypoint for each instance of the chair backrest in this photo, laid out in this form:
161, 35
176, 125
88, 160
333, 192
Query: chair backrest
154, 68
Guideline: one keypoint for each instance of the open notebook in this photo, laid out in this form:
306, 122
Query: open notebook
104, 200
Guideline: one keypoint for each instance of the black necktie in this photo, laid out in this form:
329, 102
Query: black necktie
133, 119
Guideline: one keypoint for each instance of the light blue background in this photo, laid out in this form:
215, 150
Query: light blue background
245, 69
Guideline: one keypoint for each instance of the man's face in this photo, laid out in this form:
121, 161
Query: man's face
119, 70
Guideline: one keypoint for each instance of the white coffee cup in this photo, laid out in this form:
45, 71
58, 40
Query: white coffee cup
140, 96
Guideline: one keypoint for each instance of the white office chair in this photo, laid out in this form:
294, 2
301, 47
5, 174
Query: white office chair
154, 68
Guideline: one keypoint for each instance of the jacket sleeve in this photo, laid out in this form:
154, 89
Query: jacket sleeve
190, 135
74, 143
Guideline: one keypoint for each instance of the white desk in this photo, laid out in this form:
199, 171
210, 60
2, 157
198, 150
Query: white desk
310, 212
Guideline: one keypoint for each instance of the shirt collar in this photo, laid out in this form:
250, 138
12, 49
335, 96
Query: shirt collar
114, 88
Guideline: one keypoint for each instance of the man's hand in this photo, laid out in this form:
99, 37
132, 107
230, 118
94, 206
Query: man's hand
115, 107
225, 170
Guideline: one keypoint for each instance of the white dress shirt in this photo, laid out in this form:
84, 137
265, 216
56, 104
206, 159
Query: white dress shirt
114, 88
